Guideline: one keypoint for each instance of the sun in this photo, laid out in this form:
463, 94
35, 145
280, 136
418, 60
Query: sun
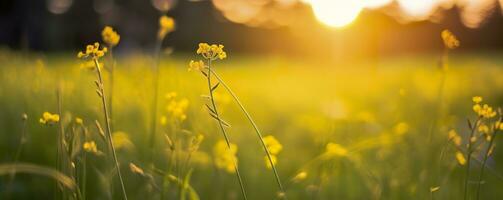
336, 13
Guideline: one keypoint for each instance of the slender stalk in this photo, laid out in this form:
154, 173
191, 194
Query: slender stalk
110, 98
107, 123
153, 126
257, 130
468, 158
19, 150
222, 129
486, 155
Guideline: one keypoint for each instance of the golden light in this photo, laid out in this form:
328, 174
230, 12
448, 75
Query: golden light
376, 3
418, 8
336, 13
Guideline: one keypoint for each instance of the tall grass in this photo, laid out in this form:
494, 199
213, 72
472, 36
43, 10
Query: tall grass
101, 93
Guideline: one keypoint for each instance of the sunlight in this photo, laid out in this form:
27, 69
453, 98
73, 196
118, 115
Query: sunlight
336, 13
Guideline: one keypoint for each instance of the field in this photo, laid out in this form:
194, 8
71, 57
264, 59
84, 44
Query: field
355, 130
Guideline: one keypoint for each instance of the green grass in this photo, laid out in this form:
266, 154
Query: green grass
304, 104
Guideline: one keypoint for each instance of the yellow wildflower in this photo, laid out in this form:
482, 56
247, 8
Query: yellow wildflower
477, 99
48, 118
485, 110
79, 120
334, 149
450, 40
166, 25
225, 156
272, 144
454, 137
196, 65
212, 52
177, 108
274, 160
92, 51
300, 176
90, 147
483, 128
110, 37
461, 158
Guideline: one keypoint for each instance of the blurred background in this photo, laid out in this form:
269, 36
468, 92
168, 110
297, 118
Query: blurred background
360, 73
312, 28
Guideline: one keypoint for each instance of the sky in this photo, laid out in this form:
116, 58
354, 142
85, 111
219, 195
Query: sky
317, 28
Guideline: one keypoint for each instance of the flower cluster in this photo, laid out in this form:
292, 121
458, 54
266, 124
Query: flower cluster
48, 118
166, 25
110, 37
482, 130
90, 147
274, 148
92, 51
212, 52
485, 110
450, 40
196, 65
225, 157
454, 137
176, 108
333, 149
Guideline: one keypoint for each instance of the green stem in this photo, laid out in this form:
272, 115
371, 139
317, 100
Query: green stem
486, 155
468, 158
259, 135
110, 99
107, 123
22, 140
223, 129
61, 138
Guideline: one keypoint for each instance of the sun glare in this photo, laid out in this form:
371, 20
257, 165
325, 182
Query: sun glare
336, 13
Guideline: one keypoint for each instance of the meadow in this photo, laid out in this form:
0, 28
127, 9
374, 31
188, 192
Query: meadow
347, 130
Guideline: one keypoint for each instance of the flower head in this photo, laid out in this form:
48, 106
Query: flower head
177, 108
211, 52
48, 118
196, 65
225, 156
272, 144
166, 25
110, 37
454, 137
477, 99
450, 40
79, 120
460, 158
90, 147
92, 51
268, 164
